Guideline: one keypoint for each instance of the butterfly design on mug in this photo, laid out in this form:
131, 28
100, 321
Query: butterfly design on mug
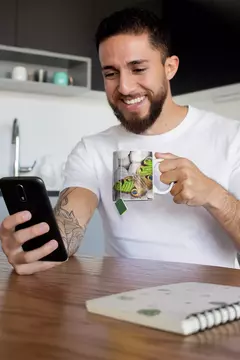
138, 184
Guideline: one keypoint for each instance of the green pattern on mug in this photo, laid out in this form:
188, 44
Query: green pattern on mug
145, 168
137, 185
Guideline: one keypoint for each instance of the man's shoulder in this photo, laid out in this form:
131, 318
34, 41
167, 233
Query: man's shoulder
97, 141
219, 121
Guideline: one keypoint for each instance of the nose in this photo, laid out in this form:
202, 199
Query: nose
126, 84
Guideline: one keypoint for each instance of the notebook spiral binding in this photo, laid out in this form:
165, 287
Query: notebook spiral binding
211, 318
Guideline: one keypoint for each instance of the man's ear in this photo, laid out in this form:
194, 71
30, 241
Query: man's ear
171, 66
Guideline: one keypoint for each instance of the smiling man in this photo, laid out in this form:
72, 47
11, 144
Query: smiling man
130, 82
137, 68
199, 221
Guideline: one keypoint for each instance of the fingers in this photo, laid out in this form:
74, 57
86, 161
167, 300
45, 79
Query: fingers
170, 176
10, 222
178, 194
164, 156
21, 236
168, 165
28, 257
176, 189
12, 241
29, 269
180, 199
25, 262
175, 163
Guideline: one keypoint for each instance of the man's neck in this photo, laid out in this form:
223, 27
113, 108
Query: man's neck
171, 116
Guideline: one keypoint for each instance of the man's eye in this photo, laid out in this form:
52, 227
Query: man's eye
140, 70
109, 75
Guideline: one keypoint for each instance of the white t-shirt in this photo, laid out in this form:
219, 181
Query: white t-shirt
161, 229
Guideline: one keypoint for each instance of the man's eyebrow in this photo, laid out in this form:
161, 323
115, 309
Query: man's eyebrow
137, 62
130, 63
108, 67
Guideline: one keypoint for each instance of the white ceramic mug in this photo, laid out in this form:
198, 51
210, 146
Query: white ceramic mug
136, 176
19, 73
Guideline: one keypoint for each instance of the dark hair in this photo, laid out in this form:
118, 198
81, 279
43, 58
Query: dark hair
135, 21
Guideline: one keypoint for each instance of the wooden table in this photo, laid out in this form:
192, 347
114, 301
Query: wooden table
43, 316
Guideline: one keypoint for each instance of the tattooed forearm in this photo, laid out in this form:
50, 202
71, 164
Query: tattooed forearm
71, 231
226, 210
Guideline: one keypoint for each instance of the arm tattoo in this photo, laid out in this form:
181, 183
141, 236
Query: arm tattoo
71, 231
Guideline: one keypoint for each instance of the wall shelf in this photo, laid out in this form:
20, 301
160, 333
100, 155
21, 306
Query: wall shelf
79, 68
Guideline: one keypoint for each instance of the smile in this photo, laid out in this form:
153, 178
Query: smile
134, 101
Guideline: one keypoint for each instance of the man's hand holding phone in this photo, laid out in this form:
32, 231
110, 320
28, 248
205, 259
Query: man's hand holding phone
25, 262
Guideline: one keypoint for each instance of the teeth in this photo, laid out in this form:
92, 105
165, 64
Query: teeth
134, 101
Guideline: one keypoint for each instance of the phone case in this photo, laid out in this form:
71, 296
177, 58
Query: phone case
29, 193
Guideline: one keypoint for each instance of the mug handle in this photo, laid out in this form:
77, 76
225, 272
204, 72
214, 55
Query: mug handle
157, 162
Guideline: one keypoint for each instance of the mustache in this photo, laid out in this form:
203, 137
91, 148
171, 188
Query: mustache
132, 96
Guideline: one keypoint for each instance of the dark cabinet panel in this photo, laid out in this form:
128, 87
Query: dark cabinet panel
205, 36
57, 25
8, 11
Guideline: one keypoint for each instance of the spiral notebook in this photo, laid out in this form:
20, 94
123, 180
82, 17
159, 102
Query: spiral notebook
184, 308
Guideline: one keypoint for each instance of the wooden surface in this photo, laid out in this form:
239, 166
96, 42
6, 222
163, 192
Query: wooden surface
43, 316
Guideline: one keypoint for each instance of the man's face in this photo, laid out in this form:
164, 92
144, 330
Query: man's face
135, 80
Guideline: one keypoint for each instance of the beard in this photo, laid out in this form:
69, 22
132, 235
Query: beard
137, 124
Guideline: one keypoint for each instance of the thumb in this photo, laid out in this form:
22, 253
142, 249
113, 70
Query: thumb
169, 156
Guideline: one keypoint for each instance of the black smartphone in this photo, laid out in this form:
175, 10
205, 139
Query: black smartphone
29, 193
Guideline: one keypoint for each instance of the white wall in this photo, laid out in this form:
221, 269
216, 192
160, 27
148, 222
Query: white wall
53, 125
49, 126
223, 100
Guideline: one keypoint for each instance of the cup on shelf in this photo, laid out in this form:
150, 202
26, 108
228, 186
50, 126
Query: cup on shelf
19, 73
60, 78
40, 75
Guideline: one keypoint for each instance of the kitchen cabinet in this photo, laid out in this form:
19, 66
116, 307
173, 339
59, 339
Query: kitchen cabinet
8, 13
64, 26
204, 34
78, 68
58, 25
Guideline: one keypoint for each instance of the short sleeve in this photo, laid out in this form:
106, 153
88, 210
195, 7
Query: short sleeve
80, 170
